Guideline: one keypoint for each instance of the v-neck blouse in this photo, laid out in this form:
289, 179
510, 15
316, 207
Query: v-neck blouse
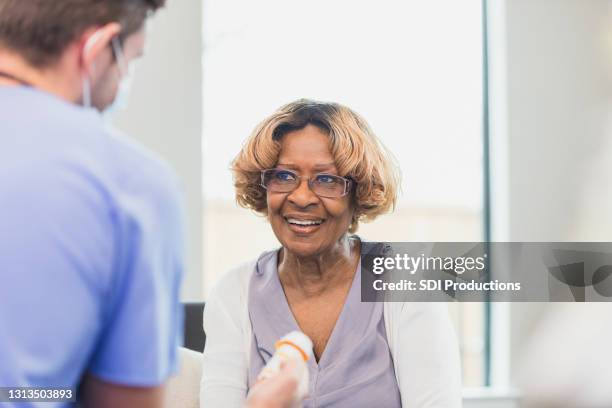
356, 367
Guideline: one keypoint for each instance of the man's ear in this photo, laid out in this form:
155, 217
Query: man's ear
95, 42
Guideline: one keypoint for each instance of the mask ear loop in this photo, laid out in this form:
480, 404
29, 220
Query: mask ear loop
120, 57
86, 92
85, 80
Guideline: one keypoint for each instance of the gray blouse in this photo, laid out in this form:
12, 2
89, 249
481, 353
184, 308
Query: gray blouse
355, 369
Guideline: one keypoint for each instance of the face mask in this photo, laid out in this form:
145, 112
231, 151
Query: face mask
125, 85
123, 92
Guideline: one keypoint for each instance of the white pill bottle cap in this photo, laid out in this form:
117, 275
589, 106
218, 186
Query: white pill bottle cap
297, 341
295, 346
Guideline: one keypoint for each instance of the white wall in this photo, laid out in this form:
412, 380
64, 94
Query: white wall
550, 103
165, 114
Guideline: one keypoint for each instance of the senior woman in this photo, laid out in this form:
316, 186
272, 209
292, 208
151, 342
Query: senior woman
316, 170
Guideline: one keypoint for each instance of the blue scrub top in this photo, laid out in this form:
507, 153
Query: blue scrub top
91, 249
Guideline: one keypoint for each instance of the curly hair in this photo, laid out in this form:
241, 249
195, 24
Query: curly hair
357, 152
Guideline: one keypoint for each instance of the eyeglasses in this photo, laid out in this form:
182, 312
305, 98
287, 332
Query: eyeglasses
323, 185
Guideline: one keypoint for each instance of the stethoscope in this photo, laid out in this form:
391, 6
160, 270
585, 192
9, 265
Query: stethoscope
14, 78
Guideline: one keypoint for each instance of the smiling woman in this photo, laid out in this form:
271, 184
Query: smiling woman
315, 170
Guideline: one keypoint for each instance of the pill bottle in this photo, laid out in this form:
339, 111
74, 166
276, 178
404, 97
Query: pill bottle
294, 346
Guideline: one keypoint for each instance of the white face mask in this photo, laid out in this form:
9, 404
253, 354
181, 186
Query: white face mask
123, 93
125, 85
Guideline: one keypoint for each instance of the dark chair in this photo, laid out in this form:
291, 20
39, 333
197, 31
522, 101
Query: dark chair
195, 338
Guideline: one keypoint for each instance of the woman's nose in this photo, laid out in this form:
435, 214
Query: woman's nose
303, 196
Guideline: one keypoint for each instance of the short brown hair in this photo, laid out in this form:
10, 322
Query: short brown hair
40, 30
358, 154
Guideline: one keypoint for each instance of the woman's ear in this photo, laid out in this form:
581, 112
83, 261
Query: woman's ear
95, 42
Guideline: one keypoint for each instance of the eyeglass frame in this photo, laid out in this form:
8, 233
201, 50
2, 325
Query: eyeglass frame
348, 182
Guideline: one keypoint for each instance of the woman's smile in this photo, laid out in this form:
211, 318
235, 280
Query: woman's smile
304, 224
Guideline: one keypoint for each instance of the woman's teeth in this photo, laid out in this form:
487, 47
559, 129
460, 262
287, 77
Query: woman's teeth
304, 222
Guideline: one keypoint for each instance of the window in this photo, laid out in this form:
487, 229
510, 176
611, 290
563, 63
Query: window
412, 69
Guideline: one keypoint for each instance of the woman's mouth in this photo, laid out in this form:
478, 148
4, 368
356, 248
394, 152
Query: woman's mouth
304, 226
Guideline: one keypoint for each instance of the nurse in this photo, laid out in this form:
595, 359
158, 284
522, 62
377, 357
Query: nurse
90, 225
316, 170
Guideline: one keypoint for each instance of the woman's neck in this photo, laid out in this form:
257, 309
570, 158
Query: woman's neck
313, 275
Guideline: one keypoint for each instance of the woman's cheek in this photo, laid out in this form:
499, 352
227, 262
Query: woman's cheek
274, 203
338, 209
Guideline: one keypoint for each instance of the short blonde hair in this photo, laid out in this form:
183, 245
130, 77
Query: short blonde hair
357, 152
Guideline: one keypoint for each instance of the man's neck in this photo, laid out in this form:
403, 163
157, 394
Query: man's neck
18, 72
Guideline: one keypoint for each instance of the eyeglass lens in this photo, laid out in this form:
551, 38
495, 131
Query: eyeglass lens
324, 185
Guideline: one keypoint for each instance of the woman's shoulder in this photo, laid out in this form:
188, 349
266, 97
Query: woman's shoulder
228, 298
236, 280
233, 282
417, 311
418, 320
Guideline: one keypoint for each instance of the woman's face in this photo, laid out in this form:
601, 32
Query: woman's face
306, 152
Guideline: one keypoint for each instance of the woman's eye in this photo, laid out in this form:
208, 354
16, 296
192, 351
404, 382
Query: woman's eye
326, 179
284, 176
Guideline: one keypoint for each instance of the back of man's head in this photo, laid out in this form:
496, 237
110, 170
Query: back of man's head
40, 30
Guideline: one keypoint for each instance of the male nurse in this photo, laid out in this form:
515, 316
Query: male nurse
90, 225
